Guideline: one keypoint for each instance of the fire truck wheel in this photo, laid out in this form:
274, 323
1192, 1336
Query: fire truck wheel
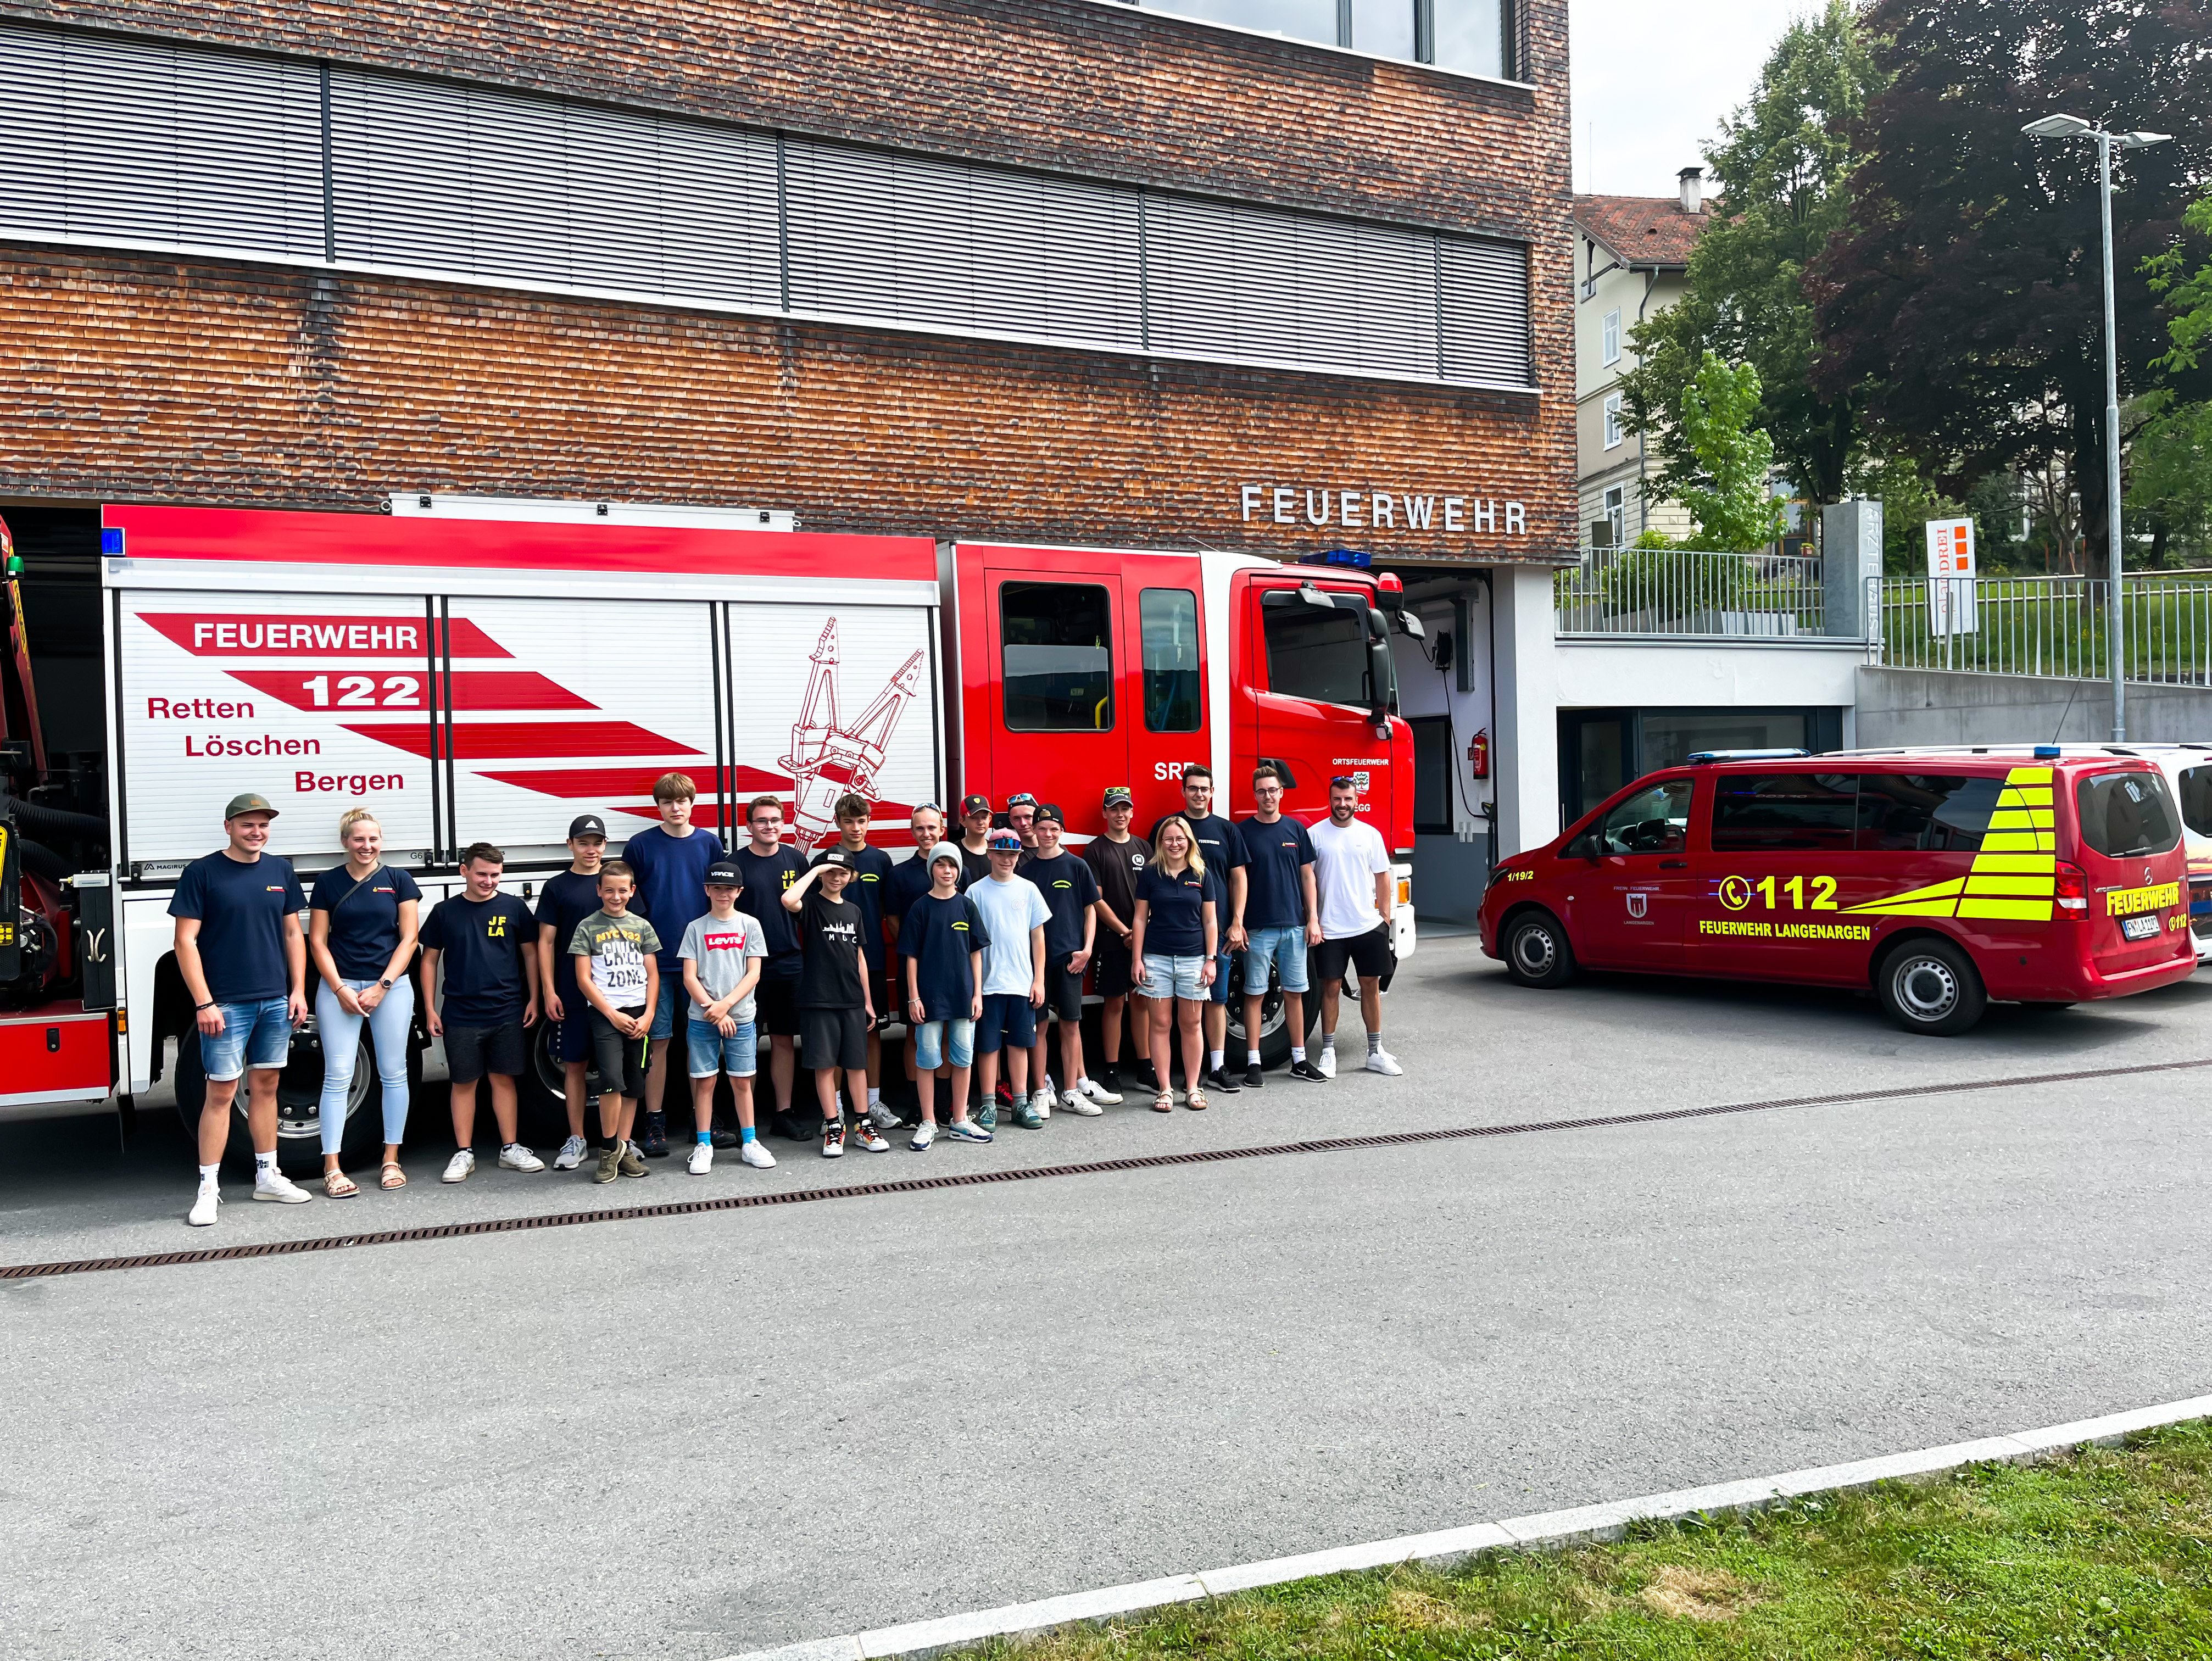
298, 1105
545, 1090
1537, 952
1929, 985
1275, 1035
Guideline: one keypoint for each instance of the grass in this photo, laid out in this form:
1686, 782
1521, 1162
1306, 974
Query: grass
2103, 1556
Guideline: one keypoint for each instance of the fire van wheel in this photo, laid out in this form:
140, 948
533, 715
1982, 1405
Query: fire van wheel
1930, 986
298, 1105
1536, 950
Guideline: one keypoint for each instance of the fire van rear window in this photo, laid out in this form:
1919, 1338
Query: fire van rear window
2124, 815
1925, 812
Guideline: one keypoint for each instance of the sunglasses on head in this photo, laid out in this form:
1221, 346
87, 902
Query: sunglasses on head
1343, 781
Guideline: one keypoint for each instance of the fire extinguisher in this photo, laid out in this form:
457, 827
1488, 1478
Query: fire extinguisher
1478, 755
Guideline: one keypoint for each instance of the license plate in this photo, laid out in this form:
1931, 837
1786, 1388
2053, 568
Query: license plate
2138, 928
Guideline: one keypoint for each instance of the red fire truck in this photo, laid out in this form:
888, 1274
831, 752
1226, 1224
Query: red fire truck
479, 671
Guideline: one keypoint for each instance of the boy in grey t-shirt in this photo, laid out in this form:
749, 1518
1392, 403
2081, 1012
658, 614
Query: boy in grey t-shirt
722, 953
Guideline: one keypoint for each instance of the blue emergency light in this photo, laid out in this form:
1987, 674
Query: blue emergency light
1357, 557
2047, 752
111, 541
1699, 757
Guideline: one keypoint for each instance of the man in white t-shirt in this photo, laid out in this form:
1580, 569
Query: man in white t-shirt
1351, 878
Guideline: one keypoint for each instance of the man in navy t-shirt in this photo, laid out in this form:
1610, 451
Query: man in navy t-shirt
244, 959
1282, 919
671, 860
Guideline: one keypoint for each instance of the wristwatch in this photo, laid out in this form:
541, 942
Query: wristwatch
386, 983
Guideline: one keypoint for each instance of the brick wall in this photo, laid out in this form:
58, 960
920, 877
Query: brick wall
156, 380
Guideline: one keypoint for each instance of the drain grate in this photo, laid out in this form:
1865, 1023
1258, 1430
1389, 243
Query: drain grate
1033, 1174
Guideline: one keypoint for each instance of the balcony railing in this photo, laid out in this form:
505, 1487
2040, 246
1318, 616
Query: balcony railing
2050, 626
1681, 593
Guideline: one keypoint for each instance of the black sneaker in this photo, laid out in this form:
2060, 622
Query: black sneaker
652, 1137
1109, 1080
1309, 1072
1143, 1074
795, 1126
1254, 1076
718, 1136
1219, 1079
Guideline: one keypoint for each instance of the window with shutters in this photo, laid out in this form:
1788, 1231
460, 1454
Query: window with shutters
1470, 36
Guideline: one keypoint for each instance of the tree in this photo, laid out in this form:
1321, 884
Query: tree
2169, 481
1727, 494
1960, 306
1780, 165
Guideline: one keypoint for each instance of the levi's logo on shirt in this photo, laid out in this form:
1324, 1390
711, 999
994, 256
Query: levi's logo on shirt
727, 940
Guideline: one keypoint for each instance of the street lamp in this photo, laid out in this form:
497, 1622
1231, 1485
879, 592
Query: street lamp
2073, 126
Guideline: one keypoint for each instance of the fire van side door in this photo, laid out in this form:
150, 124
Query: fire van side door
1629, 878
1052, 666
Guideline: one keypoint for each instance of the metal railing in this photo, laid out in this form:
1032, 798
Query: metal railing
1686, 595
2050, 626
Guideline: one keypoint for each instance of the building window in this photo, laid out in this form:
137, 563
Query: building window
1316, 653
1470, 36
1613, 337
1434, 765
1612, 422
1056, 657
1168, 621
1616, 516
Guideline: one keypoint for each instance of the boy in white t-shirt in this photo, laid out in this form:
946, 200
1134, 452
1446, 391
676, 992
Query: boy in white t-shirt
721, 954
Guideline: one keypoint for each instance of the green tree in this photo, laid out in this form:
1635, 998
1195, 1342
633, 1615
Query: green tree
1780, 165
1727, 494
2169, 482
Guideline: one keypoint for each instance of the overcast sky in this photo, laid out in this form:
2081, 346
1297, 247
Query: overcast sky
1651, 82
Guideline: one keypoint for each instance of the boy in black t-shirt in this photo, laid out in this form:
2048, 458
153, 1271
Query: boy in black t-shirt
567, 899
1117, 860
1070, 888
835, 1009
942, 938
486, 942
869, 889
769, 866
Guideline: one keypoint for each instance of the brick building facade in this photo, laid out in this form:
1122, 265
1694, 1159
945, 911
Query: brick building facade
171, 373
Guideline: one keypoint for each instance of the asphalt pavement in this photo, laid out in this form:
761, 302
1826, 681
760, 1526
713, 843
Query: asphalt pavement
693, 1436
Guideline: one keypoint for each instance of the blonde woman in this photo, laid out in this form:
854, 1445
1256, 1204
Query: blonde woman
363, 920
1173, 945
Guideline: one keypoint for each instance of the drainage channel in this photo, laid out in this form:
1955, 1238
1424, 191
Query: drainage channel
1035, 1173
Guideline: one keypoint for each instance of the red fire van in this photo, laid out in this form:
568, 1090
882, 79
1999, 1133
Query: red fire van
1940, 880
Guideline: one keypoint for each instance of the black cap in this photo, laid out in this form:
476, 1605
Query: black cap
587, 824
1050, 810
838, 857
723, 874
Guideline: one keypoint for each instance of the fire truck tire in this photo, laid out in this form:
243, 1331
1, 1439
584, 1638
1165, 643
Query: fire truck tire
1537, 951
1929, 985
1275, 1035
545, 1090
298, 1105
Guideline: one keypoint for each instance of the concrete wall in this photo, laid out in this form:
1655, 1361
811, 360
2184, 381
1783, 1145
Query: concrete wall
1653, 674
1934, 706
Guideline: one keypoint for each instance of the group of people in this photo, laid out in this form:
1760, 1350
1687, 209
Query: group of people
973, 940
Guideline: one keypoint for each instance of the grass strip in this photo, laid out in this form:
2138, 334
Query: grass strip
2103, 1555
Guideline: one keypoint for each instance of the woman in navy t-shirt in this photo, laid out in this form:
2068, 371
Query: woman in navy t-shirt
361, 921
1173, 945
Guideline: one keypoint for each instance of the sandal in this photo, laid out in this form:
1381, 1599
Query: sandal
1165, 1101
339, 1186
394, 1176
1194, 1100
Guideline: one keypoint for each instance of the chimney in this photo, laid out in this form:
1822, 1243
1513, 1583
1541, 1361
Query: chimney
1693, 189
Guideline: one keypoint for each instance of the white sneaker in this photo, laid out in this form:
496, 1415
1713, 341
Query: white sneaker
883, 1117
460, 1167
1328, 1062
1382, 1061
870, 1138
1041, 1098
924, 1134
571, 1154
201, 1214
701, 1160
1098, 1092
756, 1154
280, 1188
1076, 1101
515, 1157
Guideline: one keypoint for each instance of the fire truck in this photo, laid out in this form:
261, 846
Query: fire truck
483, 670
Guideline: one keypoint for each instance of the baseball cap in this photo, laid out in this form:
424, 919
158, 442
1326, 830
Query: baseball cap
1119, 793
970, 805
1050, 810
720, 873
248, 803
587, 824
1021, 799
1004, 841
838, 857
946, 854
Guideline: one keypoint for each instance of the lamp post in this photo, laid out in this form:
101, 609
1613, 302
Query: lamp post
2073, 126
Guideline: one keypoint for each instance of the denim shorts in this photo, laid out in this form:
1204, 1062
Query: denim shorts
258, 1035
1286, 949
663, 1025
1009, 1019
712, 1053
1218, 992
932, 1040
1174, 977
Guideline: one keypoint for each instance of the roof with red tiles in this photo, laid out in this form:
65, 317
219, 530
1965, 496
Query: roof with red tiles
1643, 230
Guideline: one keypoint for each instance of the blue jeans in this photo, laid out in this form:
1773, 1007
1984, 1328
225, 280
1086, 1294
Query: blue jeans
258, 1035
932, 1040
1286, 948
1218, 992
663, 1025
388, 1024
711, 1053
